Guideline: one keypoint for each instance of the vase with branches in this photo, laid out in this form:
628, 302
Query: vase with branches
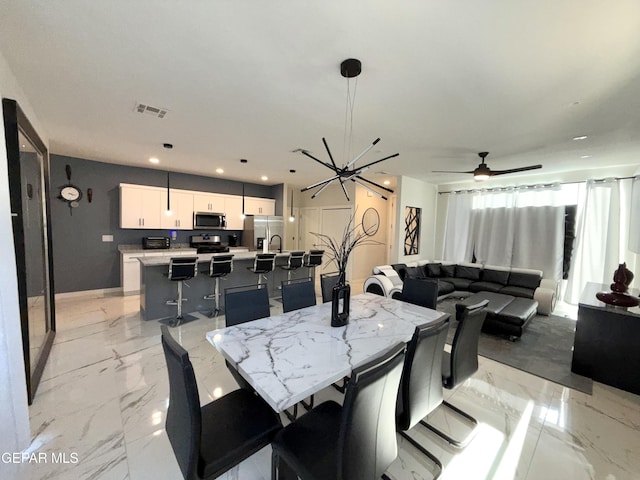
339, 251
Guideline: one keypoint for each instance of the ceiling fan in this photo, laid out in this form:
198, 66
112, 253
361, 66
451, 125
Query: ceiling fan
483, 172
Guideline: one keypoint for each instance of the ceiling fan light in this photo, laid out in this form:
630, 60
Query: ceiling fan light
480, 176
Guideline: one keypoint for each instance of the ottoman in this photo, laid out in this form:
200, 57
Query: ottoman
506, 315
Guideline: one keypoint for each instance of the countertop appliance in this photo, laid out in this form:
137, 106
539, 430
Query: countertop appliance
208, 244
208, 220
150, 243
261, 229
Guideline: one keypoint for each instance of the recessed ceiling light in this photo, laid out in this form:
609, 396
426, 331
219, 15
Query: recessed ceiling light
586, 156
264, 177
154, 160
581, 137
386, 182
219, 170
243, 160
292, 171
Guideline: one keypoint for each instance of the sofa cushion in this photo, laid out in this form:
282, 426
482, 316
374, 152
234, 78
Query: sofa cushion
485, 287
517, 291
525, 280
471, 273
401, 269
433, 269
445, 288
416, 272
518, 312
448, 270
458, 283
495, 276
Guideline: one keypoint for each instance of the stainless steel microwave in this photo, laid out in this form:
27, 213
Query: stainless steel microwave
208, 220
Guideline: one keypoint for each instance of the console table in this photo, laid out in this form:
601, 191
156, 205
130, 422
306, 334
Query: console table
606, 347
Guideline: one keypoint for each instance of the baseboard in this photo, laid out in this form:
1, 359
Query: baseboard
98, 293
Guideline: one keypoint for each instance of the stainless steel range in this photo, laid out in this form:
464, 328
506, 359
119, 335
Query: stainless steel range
208, 244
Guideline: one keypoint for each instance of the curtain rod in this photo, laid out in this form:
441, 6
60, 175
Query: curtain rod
538, 185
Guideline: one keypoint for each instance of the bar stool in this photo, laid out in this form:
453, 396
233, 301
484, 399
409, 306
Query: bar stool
312, 260
263, 264
181, 269
220, 266
295, 261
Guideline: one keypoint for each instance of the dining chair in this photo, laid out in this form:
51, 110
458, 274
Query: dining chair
461, 364
420, 390
354, 441
420, 291
327, 282
243, 304
297, 294
209, 440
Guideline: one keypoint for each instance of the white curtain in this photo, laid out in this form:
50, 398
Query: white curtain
457, 237
603, 234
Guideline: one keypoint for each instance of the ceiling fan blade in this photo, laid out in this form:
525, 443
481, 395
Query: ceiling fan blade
449, 171
515, 170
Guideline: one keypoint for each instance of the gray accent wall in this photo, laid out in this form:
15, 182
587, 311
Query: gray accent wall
81, 260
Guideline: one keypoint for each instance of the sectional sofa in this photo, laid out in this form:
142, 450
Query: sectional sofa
515, 294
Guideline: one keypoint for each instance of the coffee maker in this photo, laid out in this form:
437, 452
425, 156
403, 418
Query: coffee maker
233, 240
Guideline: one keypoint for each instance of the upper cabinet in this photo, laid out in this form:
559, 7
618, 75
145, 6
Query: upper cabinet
140, 206
208, 202
233, 212
259, 206
181, 204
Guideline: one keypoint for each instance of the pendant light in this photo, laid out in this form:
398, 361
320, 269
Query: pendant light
291, 217
168, 212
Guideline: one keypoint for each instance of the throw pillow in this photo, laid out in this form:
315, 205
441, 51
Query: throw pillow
470, 273
525, 280
448, 270
433, 269
495, 276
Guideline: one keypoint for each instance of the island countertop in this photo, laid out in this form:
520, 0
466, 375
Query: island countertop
206, 257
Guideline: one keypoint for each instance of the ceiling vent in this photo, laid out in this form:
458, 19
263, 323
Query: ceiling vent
149, 110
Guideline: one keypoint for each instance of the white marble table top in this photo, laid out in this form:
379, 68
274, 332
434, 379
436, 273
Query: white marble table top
288, 357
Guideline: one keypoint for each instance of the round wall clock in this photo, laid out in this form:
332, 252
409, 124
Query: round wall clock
70, 193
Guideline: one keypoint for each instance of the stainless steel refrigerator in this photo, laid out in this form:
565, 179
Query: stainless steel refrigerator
263, 232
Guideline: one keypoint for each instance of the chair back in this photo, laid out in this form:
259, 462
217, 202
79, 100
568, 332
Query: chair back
327, 282
246, 303
184, 418
464, 349
421, 385
314, 258
264, 262
182, 268
295, 260
297, 294
420, 291
367, 442
221, 265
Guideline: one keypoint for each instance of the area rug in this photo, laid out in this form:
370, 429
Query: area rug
544, 350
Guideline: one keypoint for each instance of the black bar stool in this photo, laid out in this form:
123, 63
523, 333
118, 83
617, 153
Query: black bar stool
220, 266
263, 264
312, 260
181, 269
295, 261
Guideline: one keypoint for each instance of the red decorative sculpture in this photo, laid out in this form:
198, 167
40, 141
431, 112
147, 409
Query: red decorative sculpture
618, 296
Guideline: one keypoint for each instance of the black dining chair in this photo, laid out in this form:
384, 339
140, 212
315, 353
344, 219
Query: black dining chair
327, 282
209, 440
354, 441
243, 304
297, 294
420, 291
461, 364
421, 385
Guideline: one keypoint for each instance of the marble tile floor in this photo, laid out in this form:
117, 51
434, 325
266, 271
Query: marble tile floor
103, 397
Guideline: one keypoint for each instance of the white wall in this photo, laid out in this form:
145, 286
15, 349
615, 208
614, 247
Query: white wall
416, 193
365, 257
14, 413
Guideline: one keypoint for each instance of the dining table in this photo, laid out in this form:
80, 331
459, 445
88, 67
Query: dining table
288, 357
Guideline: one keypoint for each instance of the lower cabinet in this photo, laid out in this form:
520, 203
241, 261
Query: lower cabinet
130, 267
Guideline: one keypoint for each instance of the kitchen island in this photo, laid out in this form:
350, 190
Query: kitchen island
156, 289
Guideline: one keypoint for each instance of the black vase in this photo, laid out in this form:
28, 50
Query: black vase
340, 300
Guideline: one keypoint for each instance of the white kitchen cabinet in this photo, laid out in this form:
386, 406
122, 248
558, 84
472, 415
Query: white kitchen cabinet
181, 217
259, 206
208, 202
140, 206
233, 212
130, 273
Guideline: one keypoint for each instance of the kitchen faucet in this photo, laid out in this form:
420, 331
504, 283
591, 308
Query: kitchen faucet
271, 241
